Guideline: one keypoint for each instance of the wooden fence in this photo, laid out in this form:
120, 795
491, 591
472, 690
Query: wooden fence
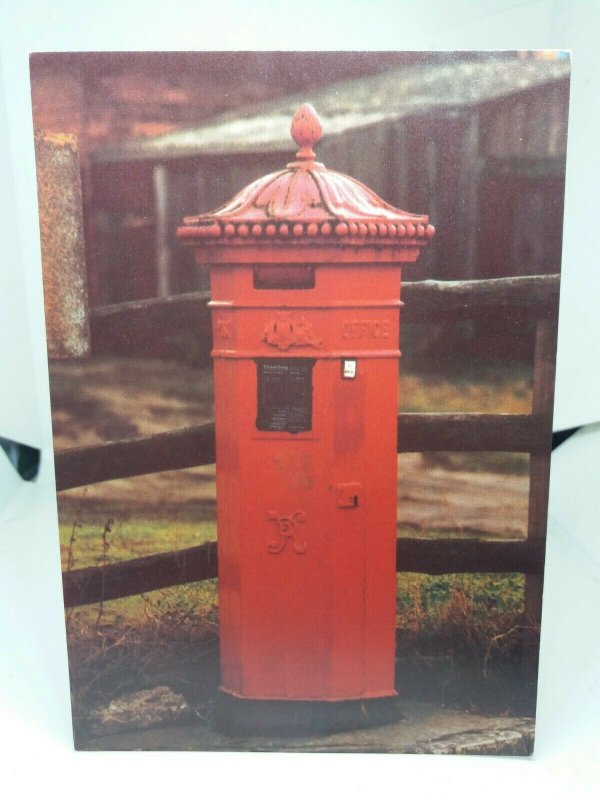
132, 325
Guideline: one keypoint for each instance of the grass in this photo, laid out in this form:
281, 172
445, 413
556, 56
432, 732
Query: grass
460, 635
467, 626
492, 391
423, 601
81, 546
132, 539
128, 643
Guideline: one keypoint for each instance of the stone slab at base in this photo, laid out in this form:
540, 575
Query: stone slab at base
424, 728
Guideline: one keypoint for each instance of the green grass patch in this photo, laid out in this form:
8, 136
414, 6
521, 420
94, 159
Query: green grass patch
127, 539
472, 622
422, 600
82, 546
171, 608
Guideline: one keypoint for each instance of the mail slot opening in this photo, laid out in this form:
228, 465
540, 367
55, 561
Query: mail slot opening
284, 390
284, 277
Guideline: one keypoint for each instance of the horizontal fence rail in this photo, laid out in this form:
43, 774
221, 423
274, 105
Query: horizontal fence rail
131, 326
193, 447
138, 575
429, 556
526, 297
188, 447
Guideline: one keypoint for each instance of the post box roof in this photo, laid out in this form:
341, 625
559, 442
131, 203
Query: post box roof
307, 202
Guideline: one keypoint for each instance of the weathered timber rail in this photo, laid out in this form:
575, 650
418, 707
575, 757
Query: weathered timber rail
138, 575
525, 297
130, 326
188, 447
430, 556
195, 446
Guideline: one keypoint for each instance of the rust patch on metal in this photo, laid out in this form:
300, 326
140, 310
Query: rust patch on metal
62, 245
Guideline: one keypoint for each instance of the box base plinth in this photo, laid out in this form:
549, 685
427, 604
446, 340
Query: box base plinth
240, 716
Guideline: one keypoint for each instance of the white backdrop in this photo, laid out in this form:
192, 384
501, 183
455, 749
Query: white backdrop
34, 706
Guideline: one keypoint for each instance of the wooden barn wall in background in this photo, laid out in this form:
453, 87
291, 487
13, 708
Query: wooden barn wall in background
523, 159
498, 167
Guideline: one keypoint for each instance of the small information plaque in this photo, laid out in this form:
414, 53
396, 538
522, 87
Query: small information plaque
285, 394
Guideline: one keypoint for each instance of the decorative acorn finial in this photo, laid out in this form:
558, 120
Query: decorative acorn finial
306, 130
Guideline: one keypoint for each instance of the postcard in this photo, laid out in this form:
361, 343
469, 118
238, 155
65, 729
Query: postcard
301, 313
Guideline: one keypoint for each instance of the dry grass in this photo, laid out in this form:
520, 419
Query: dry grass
471, 625
492, 392
170, 635
460, 642
170, 638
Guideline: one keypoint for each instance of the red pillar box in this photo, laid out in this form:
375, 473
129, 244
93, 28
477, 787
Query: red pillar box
305, 279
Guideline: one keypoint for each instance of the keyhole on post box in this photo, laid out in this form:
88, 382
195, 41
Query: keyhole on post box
347, 495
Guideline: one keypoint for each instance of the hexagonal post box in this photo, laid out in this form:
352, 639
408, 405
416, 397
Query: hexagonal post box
305, 281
